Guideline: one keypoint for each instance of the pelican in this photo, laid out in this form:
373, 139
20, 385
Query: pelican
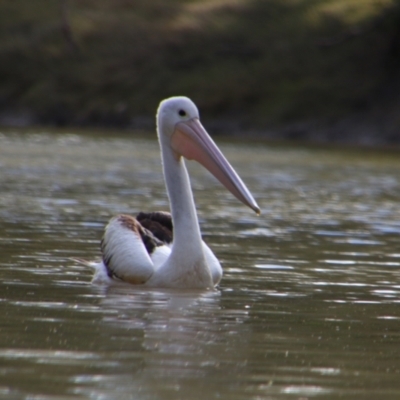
166, 250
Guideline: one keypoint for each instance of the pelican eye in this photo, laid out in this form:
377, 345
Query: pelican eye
182, 113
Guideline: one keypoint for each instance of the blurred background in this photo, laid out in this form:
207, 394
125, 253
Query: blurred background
317, 70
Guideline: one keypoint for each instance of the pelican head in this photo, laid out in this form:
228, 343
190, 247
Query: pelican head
173, 111
179, 128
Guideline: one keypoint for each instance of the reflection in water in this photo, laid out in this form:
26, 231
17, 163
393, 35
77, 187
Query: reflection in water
178, 335
307, 308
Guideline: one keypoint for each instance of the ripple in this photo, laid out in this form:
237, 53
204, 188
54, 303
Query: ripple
306, 390
257, 232
364, 242
41, 304
345, 284
326, 371
47, 354
343, 262
329, 233
274, 267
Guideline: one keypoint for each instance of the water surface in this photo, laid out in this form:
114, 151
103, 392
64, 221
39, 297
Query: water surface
308, 307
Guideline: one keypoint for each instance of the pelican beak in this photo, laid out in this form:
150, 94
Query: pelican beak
192, 141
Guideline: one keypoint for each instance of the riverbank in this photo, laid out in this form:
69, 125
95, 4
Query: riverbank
362, 130
317, 70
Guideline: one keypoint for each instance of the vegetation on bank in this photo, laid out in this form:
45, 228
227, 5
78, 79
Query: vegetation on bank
260, 63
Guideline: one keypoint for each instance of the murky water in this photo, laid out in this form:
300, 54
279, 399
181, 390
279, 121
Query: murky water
308, 306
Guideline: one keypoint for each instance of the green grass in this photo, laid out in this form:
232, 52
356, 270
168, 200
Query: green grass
265, 62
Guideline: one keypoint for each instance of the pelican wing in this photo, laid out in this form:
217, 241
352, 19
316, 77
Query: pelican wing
159, 223
126, 248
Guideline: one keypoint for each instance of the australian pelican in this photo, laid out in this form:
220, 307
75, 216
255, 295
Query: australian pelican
161, 249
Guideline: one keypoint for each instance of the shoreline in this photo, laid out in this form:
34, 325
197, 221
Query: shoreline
365, 130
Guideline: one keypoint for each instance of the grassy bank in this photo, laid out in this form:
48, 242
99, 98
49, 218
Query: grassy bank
291, 65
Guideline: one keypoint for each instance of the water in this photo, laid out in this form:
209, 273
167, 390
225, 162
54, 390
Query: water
308, 307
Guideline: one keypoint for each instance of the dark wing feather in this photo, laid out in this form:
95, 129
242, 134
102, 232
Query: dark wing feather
159, 223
